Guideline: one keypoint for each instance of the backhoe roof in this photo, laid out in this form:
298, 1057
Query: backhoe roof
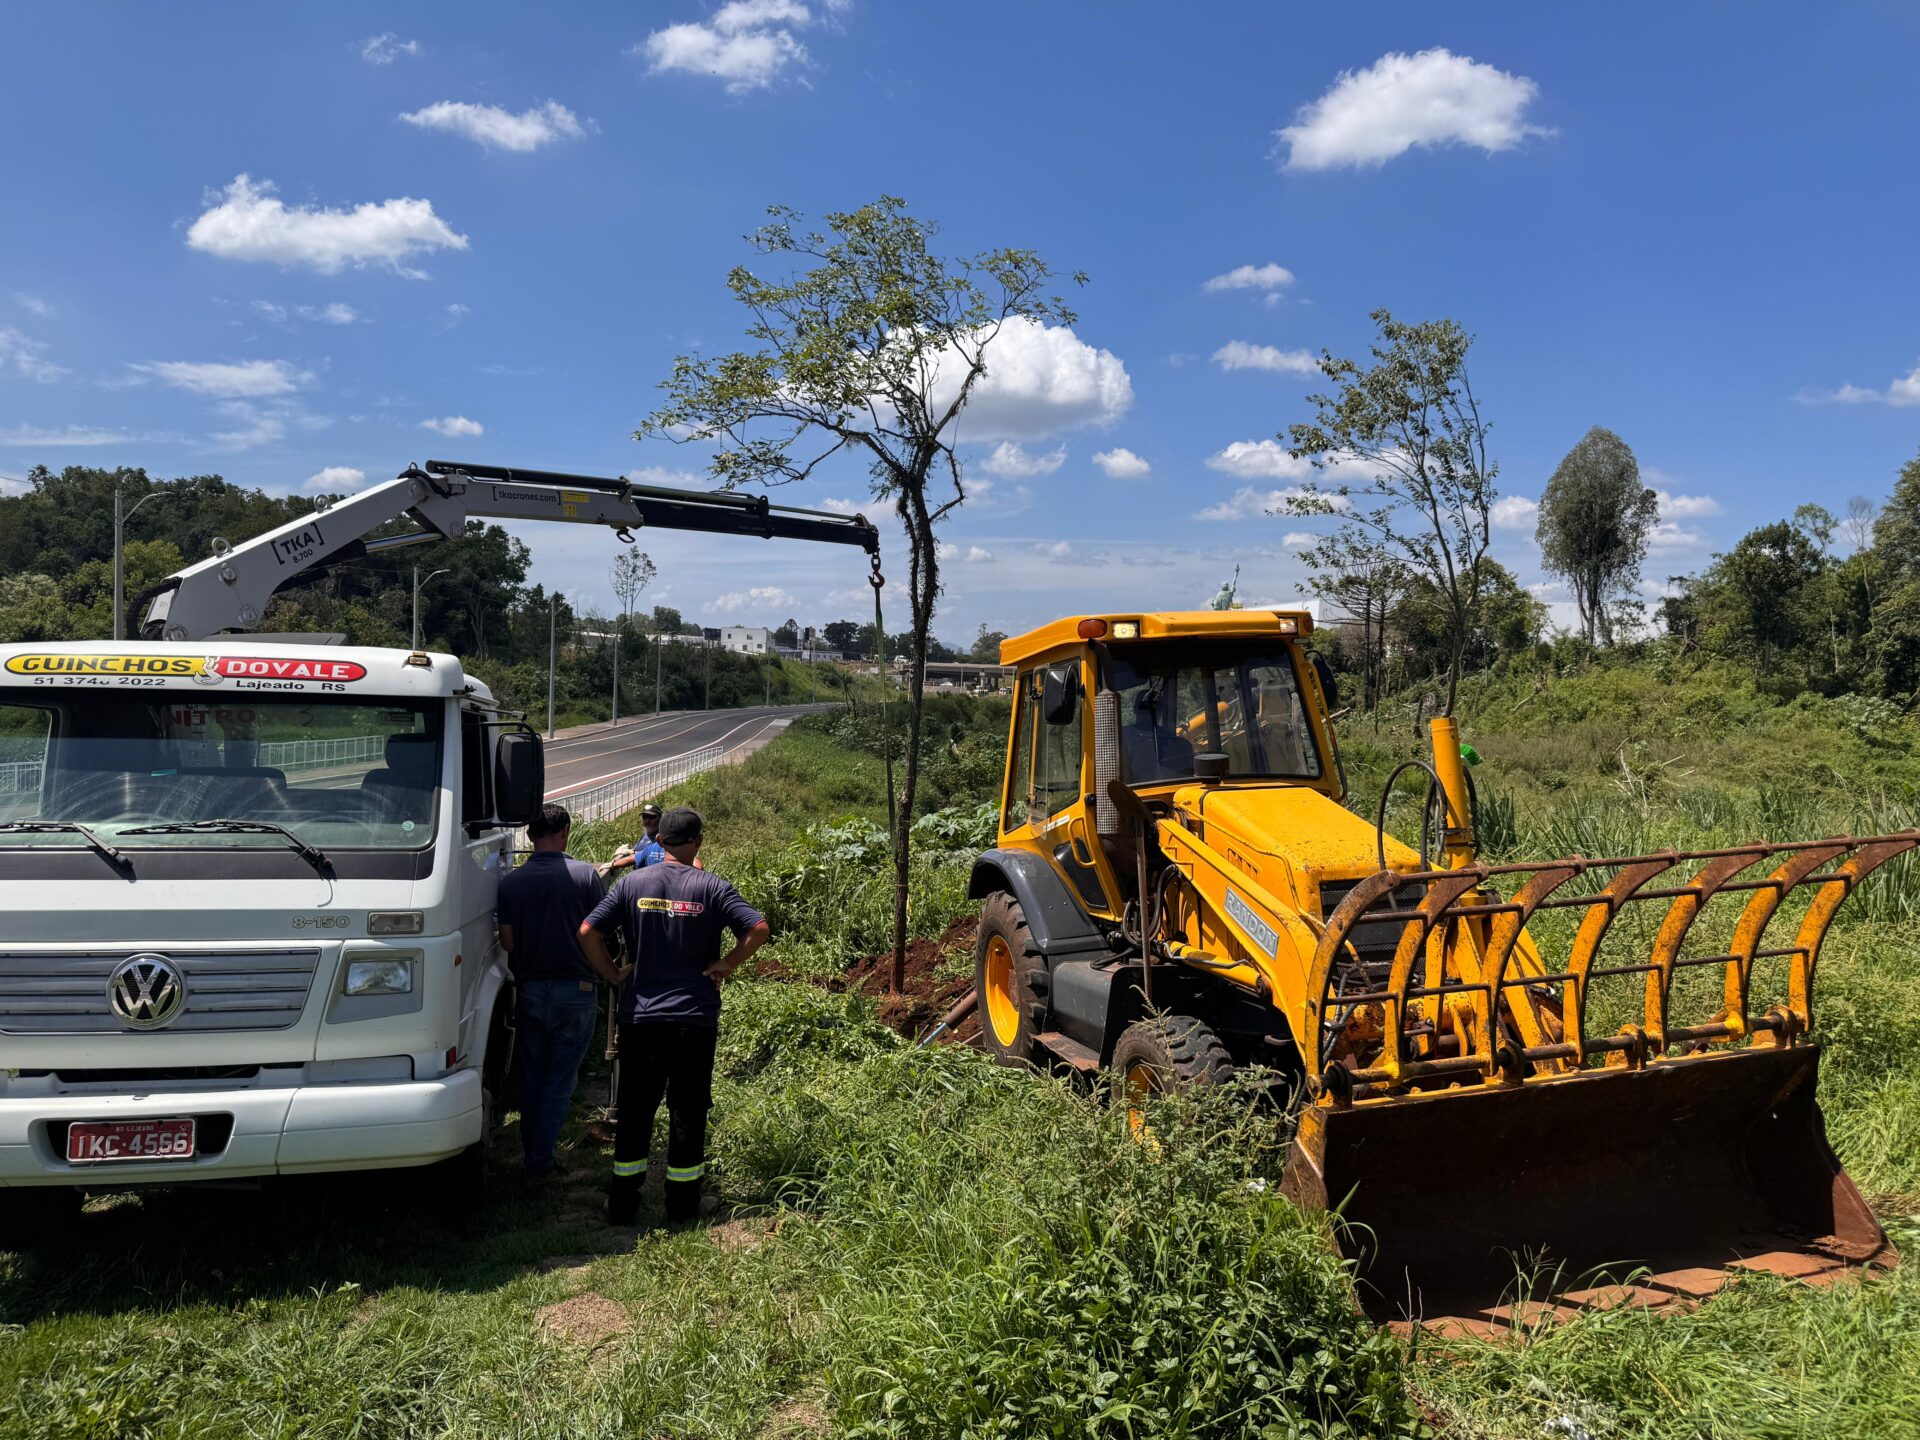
1159, 625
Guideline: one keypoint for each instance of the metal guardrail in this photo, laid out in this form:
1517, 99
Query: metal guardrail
616, 797
320, 754
19, 776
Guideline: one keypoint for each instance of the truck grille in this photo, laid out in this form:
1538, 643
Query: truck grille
55, 994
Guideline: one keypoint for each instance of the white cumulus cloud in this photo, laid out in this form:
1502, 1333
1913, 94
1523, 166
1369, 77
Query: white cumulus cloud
978, 555
454, 426
34, 305
387, 47
1666, 535
1685, 507
1122, 464
1239, 355
746, 43
1903, 391
1040, 379
1297, 537
1259, 459
1269, 278
841, 507
248, 379
1248, 503
1009, 458
493, 128
26, 357
251, 223
1514, 512
336, 479
1400, 101
759, 598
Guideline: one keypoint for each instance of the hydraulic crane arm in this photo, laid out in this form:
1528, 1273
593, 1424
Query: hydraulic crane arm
230, 589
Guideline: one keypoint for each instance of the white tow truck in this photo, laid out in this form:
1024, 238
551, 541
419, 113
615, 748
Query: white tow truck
247, 887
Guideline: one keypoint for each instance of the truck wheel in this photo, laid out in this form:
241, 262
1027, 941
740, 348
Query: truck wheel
1010, 977
1170, 1052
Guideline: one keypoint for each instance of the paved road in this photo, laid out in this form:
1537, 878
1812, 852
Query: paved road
579, 762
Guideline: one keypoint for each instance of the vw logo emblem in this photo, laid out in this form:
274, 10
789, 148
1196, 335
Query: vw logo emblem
146, 991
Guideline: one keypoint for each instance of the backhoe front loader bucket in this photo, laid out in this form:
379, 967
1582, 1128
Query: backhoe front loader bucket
1488, 1156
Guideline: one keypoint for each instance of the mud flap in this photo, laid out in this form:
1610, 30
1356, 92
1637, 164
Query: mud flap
1453, 1202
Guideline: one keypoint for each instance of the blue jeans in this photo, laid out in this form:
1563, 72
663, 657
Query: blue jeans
555, 1019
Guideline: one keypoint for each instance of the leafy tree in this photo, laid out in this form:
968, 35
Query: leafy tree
1506, 622
1755, 601
1367, 583
1595, 517
788, 635
631, 572
871, 344
986, 646
842, 635
1400, 451
667, 620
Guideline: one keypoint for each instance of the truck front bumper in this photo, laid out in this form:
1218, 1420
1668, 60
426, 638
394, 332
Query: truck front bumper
306, 1129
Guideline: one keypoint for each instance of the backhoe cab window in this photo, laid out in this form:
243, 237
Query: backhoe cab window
1239, 700
340, 773
1045, 776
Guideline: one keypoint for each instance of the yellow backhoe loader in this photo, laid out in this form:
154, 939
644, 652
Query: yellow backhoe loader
1574, 1082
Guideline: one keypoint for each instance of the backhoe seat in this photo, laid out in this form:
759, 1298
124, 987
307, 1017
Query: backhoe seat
1148, 752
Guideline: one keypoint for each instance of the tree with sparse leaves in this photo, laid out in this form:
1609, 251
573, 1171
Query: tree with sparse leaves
1402, 464
1595, 517
632, 572
867, 344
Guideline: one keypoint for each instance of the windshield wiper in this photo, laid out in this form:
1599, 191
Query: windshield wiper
111, 854
312, 854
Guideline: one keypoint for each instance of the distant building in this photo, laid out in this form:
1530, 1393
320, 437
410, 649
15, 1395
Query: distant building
747, 639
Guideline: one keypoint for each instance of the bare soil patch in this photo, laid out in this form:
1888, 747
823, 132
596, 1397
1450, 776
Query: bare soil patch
927, 994
587, 1320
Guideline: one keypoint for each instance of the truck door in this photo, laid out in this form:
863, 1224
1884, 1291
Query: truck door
486, 857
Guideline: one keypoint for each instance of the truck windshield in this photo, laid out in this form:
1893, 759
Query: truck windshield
342, 773
1237, 698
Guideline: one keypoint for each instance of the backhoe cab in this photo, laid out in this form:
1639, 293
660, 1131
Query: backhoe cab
1178, 892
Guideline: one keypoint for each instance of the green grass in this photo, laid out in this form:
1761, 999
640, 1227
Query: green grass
924, 1245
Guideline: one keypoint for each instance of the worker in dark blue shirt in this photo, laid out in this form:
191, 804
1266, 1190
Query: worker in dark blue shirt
556, 984
674, 918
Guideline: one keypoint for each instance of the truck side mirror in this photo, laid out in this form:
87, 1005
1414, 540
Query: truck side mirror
1059, 694
519, 777
1329, 686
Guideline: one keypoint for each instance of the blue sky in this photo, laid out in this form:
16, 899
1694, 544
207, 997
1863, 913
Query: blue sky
273, 242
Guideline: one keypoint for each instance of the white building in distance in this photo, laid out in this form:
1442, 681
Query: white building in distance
747, 639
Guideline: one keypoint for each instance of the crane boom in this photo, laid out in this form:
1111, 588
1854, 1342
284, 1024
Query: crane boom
230, 589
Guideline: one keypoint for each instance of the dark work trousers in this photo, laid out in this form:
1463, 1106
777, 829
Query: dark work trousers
671, 1059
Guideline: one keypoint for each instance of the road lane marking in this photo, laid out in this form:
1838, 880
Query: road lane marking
763, 721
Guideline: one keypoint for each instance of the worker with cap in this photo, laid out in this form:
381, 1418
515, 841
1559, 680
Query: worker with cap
674, 917
647, 852
539, 909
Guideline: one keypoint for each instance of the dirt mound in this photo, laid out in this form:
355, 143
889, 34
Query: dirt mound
931, 987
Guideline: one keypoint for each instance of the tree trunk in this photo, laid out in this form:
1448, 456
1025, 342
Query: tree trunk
923, 587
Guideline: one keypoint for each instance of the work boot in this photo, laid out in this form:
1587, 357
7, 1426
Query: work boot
623, 1203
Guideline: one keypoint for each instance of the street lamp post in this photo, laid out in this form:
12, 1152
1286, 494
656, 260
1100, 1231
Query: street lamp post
417, 583
553, 609
616, 677
120, 518
659, 651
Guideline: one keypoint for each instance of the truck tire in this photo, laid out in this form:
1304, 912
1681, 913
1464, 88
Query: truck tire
1010, 977
1163, 1054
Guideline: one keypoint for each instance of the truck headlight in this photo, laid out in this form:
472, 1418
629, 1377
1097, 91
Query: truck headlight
378, 977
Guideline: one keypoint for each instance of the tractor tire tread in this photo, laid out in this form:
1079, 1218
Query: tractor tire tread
1002, 912
1194, 1053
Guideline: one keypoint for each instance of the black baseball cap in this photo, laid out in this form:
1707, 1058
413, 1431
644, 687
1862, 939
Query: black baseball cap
681, 826
649, 811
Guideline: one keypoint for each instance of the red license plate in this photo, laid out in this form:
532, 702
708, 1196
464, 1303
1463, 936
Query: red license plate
98, 1142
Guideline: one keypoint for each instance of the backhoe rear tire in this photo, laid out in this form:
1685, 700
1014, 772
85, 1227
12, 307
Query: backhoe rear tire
1010, 979
1166, 1053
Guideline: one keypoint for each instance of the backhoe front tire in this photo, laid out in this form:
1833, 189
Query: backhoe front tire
1010, 979
1163, 1054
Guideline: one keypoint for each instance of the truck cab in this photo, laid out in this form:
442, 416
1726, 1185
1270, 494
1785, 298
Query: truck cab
246, 909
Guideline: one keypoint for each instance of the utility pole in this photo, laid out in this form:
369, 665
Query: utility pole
706, 701
659, 652
553, 609
768, 667
616, 677
119, 546
417, 583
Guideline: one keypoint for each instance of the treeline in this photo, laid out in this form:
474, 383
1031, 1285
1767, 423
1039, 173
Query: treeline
56, 583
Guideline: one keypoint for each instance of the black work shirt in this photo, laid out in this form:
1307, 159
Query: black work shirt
545, 901
673, 918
